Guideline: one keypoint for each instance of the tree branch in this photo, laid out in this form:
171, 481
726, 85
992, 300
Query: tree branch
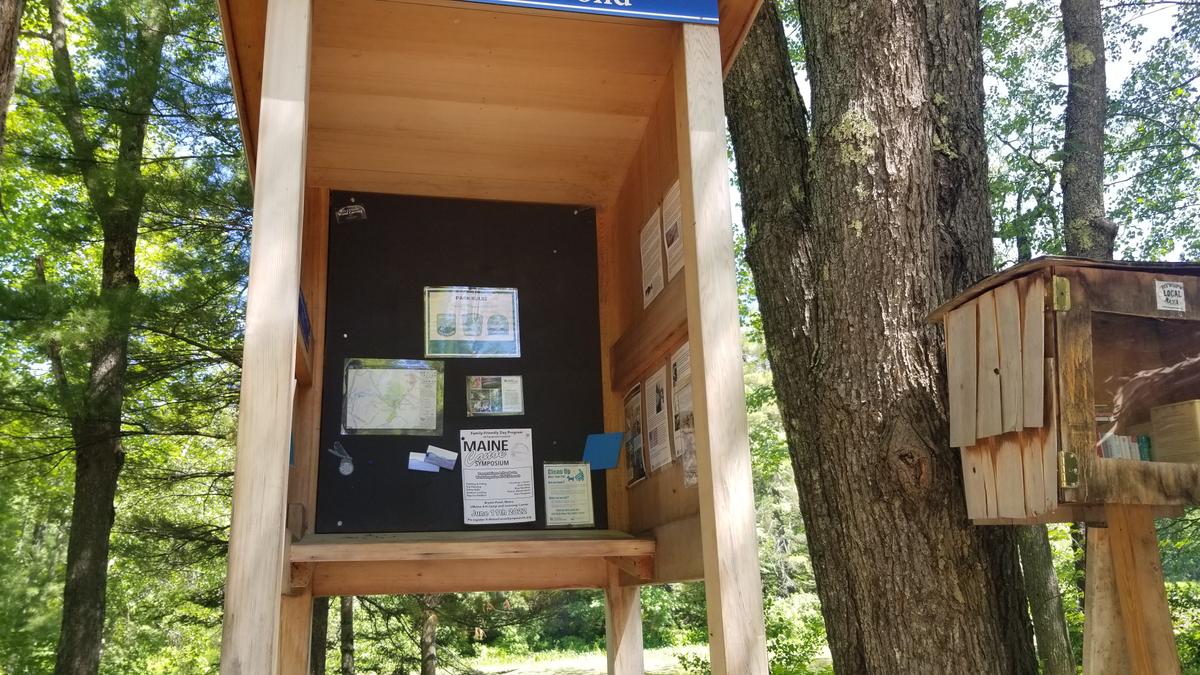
54, 353
222, 354
70, 107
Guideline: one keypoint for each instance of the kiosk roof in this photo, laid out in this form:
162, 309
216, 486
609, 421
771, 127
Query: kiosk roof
991, 281
458, 99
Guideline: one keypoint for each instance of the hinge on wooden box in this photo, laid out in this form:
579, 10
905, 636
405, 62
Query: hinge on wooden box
1068, 470
1062, 294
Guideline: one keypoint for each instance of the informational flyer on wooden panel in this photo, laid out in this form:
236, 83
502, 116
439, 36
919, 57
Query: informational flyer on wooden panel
472, 322
494, 395
568, 489
635, 457
684, 421
672, 225
497, 476
658, 430
652, 262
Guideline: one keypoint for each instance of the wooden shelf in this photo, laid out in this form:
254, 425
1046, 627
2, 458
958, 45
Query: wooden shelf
475, 545
649, 342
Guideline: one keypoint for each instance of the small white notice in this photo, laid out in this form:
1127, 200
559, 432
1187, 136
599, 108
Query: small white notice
652, 263
1169, 296
497, 476
568, 494
635, 466
684, 422
671, 226
658, 432
441, 457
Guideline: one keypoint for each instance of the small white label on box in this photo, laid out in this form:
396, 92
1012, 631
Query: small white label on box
1169, 296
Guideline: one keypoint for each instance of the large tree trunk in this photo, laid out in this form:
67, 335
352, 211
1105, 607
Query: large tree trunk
347, 633
1088, 231
117, 199
429, 624
97, 465
319, 642
852, 241
1045, 601
98, 459
10, 28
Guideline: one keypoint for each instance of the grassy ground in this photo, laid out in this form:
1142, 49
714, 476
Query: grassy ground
658, 662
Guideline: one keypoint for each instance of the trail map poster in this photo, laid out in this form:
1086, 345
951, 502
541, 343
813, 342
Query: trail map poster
387, 396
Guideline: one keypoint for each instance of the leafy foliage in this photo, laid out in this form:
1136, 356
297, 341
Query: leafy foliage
166, 566
1152, 133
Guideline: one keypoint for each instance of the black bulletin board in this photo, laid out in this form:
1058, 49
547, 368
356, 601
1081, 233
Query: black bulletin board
377, 270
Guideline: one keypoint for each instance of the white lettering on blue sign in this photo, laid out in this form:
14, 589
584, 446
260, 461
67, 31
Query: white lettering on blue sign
682, 11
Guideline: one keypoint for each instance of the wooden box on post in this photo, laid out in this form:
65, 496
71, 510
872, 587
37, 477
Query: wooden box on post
1073, 384
556, 127
1074, 394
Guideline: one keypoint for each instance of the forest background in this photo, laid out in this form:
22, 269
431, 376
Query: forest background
68, 167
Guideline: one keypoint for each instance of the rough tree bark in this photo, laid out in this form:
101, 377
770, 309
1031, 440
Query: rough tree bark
10, 27
1088, 231
1045, 601
853, 237
429, 623
347, 633
319, 642
117, 197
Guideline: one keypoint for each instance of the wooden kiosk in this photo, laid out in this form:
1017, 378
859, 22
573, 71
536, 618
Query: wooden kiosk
1075, 397
391, 142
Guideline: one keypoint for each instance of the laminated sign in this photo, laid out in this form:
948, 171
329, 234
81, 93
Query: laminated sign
472, 322
568, 489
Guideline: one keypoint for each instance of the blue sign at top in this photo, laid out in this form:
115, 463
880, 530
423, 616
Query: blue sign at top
684, 11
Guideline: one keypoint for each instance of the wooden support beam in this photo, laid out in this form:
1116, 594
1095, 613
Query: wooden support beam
401, 577
1103, 644
295, 624
733, 588
678, 555
1092, 514
652, 339
295, 521
610, 331
622, 625
1137, 569
250, 639
306, 418
638, 569
470, 545
299, 578
295, 617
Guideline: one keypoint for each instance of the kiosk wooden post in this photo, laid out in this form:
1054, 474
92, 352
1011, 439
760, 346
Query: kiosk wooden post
256, 544
447, 123
727, 524
1075, 397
